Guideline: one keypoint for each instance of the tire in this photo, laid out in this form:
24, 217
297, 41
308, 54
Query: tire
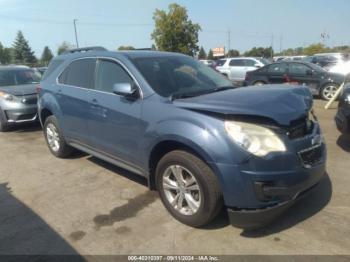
259, 83
3, 125
204, 193
328, 90
55, 140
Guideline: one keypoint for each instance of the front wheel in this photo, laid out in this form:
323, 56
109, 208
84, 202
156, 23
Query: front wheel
188, 188
328, 91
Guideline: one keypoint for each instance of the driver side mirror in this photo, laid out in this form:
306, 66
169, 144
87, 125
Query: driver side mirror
125, 89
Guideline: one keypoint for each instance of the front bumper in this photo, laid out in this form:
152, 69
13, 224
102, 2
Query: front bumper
250, 219
21, 115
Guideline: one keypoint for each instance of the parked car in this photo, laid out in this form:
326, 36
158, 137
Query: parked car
236, 68
342, 118
40, 70
181, 125
207, 62
17, 95
294, 58
320, 82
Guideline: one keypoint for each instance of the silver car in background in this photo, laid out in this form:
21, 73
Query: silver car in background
18, 99
236, 68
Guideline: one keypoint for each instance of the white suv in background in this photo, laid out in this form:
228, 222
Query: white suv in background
236, 68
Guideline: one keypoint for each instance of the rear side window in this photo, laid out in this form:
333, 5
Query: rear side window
280, 68
110, 73
237, 62
80, 73
52, 67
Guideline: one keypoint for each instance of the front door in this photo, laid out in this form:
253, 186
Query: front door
303, 75
115, 120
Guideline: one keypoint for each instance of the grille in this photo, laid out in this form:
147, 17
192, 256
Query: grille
311, 156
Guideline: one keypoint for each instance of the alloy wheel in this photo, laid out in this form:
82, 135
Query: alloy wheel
181, 190
53, 137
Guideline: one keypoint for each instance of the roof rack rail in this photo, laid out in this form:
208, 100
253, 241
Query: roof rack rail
85, 49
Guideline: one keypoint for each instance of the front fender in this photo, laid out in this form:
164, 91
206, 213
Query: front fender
49, 102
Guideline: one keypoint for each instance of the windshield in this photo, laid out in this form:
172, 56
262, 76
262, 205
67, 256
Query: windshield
18, 77
180, 76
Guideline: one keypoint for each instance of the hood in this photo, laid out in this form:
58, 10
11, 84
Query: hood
20, 90
281, 103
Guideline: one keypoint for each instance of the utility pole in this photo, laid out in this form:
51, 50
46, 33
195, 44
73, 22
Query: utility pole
229, 39
272, 40
75, 30
281, 43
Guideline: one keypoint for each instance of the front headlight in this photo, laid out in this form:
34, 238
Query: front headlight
255, 139
5, 96
347, 99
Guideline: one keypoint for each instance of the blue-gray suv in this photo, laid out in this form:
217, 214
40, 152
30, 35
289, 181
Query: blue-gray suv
197, 140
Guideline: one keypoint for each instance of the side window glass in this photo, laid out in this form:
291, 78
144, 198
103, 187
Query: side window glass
237, 62
110, 73
279, 68
250, 63
298, 69
80, 73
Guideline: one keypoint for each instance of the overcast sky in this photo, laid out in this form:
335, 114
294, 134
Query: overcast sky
111, 23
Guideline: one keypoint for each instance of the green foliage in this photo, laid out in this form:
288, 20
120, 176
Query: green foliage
5, 55
210, 55
202, 54
65, 46
174, 31
315, 48
46, 56
232, 53
23, 54
260, 52
126, 47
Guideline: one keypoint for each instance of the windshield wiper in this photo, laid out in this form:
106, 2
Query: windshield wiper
188, 95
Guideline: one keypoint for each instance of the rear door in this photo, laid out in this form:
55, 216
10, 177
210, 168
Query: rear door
115, 120
237, 70
73, 95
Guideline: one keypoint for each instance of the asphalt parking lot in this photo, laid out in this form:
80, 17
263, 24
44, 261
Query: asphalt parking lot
85, 206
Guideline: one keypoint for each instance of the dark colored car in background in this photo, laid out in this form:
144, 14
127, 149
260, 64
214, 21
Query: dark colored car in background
320, 82
342, 118
200, 142
18, 99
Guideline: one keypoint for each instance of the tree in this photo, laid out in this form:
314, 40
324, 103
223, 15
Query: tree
46, 56
260, 52
202, 54
126, 47
5, 55
232, 53
174, 31
210, 55
22, 51
315, 48
65, 46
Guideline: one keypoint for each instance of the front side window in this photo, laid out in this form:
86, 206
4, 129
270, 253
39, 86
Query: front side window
180, 76
298, 69
80, 73
110, 73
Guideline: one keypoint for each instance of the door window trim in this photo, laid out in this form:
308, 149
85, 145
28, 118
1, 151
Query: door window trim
96, 58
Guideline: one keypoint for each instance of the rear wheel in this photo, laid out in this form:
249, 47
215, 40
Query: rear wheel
55, 139
328, 91
188, 188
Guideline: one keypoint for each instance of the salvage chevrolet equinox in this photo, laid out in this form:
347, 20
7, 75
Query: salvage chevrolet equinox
201, 143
